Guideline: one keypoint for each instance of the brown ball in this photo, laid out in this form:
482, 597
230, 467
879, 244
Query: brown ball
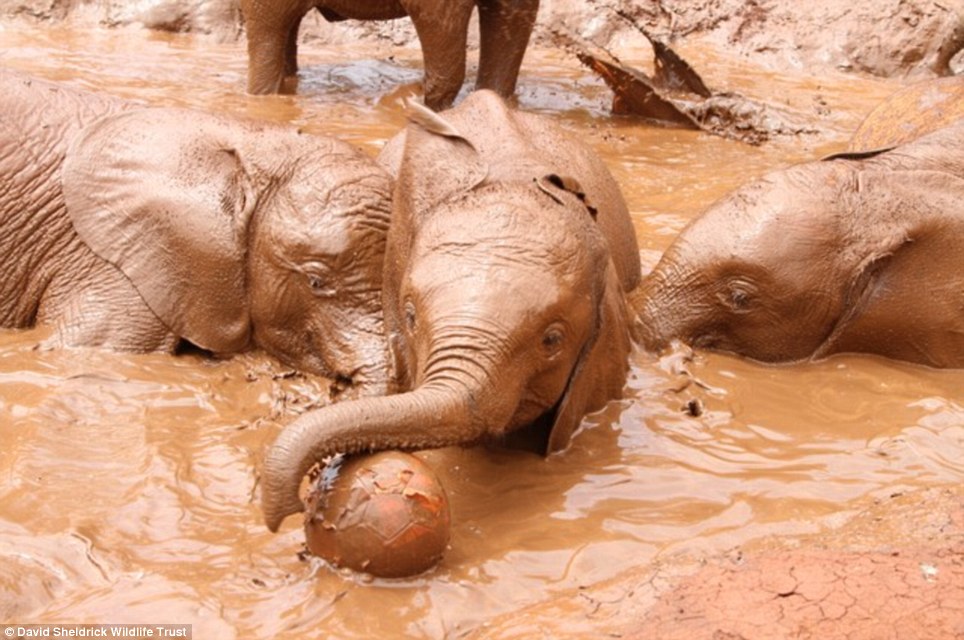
385, 514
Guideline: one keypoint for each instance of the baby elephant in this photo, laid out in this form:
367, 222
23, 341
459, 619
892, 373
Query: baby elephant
509, 260
442, 27
862, 252
135, 228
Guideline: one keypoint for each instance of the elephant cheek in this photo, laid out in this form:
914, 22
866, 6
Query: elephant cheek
284, 332
539, 390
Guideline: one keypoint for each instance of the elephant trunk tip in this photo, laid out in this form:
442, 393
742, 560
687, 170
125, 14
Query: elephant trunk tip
275, 511
280, 486
647, 329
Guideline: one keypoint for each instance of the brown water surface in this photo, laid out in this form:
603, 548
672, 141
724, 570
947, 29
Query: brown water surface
128, 483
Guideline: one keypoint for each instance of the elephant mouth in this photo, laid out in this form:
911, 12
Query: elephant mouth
340, 383
533, 434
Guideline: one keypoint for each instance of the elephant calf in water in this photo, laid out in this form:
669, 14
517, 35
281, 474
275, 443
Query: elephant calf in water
135, 228
509, 259
863, 252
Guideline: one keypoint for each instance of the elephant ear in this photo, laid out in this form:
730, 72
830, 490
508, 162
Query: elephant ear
553, 183
909, 224
438, 162
600, 369
164, 196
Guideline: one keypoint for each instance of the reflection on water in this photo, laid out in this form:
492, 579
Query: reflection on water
128, 486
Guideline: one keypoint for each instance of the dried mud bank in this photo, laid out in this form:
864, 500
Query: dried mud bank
892, 571
884, 38
217, 17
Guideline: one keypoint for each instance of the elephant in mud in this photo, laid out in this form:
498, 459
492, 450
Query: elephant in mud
137, 228
509, 260
911, 112
860, 252
441, 25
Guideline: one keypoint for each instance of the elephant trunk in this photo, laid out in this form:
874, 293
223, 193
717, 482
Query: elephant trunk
649, 301
371, 381
373, 374
428, 417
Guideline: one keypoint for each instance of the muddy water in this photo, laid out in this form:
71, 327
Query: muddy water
128, 483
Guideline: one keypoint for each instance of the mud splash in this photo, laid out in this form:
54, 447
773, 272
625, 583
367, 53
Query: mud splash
129, 484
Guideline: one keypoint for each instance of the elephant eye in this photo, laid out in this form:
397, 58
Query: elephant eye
552, 340
319, 286
410, 320
737, 296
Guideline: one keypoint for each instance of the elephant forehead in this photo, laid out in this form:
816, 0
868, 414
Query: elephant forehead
497, 299
288, 231
780, 214
506, 228
327, 226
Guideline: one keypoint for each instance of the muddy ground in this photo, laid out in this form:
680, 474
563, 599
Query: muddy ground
893, 570
880, 37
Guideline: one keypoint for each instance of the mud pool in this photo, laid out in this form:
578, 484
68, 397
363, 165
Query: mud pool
128, 483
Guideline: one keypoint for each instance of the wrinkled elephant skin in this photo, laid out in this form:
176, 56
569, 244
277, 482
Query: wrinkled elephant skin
862, 252
441, 25
136, 228
509, 259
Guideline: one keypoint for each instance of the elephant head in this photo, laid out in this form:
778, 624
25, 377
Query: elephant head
839, 255
504, 308
240, 233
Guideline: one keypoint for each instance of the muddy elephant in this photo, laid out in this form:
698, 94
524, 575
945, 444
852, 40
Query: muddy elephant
142, 228
861, 252
910, 113
509, 260
441, 25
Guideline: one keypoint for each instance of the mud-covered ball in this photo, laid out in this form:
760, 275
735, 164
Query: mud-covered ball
385, 514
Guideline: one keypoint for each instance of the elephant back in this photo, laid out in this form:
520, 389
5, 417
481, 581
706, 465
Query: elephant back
38, 121
910, 113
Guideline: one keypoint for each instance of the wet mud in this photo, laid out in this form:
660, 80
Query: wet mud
128, 483
890, 570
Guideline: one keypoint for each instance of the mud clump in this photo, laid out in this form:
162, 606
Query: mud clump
888, 38
676, 95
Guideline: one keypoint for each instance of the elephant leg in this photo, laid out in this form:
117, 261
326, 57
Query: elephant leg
291, 49
504, 30
442, 31
268, 52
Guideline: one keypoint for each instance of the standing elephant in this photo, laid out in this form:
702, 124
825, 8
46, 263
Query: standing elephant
442, 27
137, 228
509, 259
861, 252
